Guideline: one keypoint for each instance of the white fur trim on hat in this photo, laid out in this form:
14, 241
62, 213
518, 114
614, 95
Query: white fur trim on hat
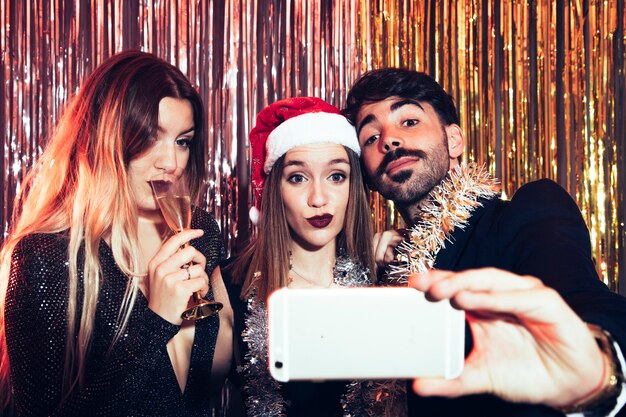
306, 129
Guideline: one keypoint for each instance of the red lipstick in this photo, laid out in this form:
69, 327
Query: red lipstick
320, 221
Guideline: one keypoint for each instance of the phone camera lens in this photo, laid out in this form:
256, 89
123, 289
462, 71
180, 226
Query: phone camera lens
278, 364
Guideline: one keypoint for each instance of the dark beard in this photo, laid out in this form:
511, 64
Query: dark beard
435, 166
401, 177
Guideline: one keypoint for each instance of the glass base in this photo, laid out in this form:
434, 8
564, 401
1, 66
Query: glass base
202, 310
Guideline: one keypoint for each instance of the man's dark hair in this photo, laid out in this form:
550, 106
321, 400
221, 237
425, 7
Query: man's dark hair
380, 84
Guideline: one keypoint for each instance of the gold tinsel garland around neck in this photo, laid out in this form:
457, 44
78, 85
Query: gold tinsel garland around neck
448, 206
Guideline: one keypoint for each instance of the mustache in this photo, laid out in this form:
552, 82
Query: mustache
397, 154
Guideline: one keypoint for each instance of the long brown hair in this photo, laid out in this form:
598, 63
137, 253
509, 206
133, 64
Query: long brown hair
268, 268
80, 185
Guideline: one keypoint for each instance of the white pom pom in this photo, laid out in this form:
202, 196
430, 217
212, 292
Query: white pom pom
255, 215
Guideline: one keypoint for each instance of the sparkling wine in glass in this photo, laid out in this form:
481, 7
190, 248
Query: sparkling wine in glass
173, 198
176, 210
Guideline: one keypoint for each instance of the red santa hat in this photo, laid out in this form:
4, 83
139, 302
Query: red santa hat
292, 122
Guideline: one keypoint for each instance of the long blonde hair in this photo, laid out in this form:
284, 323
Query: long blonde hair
80, 186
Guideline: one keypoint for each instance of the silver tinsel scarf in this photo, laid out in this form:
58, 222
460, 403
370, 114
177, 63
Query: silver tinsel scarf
263, 397
262, 392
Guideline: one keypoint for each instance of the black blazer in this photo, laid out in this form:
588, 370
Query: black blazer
540, 232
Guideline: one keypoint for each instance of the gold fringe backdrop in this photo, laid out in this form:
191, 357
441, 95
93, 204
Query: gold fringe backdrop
540, 85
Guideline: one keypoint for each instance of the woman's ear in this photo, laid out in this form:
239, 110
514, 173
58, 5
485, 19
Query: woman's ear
456, 140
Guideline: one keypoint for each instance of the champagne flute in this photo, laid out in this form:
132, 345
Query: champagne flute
173, 198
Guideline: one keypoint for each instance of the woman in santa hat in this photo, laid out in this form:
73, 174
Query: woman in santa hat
314, 231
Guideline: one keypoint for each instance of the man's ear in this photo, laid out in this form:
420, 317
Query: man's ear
456, 140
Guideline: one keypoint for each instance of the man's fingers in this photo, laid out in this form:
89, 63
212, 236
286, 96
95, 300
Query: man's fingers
491, 290
428, 387
424, 282
444, 284
520, 303
385, 244
466, 384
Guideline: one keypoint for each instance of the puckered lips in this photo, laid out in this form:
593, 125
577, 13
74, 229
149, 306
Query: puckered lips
320, 221
399, 164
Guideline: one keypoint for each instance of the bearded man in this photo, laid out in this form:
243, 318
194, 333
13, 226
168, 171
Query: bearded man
546, 335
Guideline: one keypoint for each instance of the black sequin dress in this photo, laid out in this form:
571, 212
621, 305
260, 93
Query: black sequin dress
136, 377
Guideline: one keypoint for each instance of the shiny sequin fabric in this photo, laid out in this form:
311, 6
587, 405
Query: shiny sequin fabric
134, 378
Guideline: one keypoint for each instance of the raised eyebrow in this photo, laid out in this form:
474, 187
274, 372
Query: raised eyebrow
368, 119
405, 102
395, 106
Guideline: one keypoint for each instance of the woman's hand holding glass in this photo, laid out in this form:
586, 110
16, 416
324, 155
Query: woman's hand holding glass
175, 273
173, 199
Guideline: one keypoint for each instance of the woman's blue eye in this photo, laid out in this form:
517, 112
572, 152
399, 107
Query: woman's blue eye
338, 177
296, 178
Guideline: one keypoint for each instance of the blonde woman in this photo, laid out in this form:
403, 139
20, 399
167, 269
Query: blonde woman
92, 283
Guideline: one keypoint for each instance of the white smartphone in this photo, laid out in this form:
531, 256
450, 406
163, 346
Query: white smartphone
363, 333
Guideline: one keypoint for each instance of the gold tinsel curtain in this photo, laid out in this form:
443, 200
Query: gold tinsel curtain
540, 85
